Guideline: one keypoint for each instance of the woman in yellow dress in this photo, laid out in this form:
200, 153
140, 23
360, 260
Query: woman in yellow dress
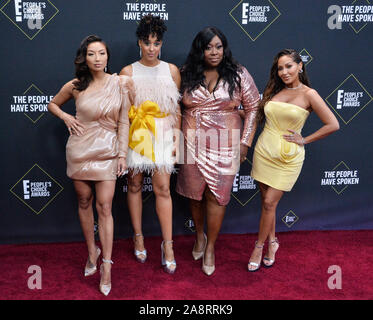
279, 152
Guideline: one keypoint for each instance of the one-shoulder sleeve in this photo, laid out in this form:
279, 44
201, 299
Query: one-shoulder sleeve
127, 91
249, 100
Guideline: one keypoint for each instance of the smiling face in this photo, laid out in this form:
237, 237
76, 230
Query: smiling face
214, 52
150, 48
288, 70
96, 57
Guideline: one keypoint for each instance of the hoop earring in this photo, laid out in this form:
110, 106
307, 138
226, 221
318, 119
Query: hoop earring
301, 71
159, 56
140, 53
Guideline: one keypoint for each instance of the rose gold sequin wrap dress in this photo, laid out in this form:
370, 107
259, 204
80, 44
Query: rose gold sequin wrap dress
104, 114
216, 158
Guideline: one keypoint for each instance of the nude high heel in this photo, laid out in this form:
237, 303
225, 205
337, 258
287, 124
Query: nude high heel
209, 270
199, 254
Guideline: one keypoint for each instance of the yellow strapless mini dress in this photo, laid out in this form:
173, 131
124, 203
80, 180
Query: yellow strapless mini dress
277, 162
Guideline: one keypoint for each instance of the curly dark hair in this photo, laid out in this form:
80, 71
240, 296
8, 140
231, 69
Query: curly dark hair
82, 72
192, 71
275, 84
150, 25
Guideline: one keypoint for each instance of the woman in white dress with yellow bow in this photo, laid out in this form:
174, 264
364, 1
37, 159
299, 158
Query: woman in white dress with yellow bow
154, 117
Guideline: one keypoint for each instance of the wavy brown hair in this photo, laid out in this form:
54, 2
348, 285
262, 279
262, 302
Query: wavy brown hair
275, 84
82, 72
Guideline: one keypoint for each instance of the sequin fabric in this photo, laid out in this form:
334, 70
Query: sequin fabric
213, 131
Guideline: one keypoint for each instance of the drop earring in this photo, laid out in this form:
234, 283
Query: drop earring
159, 55
140, 53
105, 69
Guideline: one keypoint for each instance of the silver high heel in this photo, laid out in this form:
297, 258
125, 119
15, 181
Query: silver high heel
140, 255
267, 262
254, 264
199, 254
91, 268
167, 265
105, 288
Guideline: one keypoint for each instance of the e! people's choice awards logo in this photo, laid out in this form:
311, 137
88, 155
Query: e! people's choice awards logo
36, 189
33, 103
357, 15
244, 188
134, 11
305, 56
254, 16
29, 16
349, 99
290, 219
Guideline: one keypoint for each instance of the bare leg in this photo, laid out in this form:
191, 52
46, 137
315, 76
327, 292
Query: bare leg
197, 208
84, 193
104, 199
134, 200
270, 200
163, 206
215, 216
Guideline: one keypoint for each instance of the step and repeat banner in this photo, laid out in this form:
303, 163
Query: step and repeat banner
39, 42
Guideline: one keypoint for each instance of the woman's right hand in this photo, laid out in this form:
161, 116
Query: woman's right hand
72, 124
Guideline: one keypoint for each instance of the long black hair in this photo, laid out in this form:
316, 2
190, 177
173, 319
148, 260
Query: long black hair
275, 84
192, 71
82, 72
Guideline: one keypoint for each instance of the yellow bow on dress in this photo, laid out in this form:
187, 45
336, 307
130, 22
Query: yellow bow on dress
143, 126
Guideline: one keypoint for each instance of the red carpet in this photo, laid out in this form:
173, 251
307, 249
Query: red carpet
300, 271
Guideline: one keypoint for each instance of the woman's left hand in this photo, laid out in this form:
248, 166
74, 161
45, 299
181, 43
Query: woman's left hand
243, 152
122, 167
294, 137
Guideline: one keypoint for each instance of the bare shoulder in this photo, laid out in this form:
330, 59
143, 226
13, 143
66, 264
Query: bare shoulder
175, 73
311, 94
309, 91
173, 68
126, 71
69, 86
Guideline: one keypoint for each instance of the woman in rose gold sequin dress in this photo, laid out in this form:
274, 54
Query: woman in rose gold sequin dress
97, 147
213, 87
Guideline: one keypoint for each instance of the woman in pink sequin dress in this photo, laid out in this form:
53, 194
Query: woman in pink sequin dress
213, 88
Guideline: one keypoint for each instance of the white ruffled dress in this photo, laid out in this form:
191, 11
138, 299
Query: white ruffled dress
156, 84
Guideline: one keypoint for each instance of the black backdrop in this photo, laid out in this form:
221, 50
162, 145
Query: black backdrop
334, 190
